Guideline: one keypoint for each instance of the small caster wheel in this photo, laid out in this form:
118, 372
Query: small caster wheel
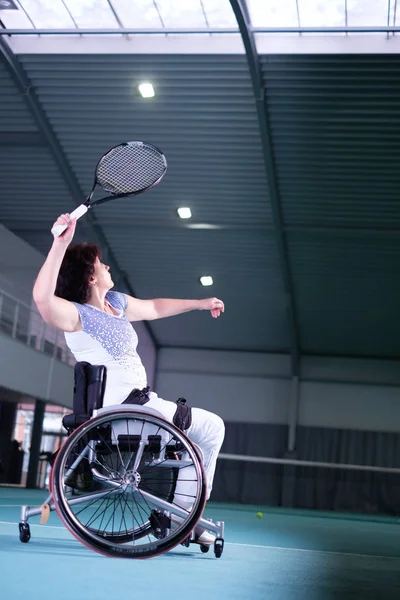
160, 524
186, 542
24, 533
204, 548
218, 547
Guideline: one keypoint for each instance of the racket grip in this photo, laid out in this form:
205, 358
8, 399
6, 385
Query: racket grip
57, 230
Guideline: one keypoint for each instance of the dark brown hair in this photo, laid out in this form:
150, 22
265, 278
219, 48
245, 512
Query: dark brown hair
75, 272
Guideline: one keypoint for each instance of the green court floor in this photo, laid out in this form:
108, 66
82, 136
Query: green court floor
285, 555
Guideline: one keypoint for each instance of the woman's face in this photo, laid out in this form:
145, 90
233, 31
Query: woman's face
102, 275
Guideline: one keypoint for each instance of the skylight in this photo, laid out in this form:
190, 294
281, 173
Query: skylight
193, 14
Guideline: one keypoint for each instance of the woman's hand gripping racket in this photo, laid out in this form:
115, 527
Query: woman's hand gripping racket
126, 170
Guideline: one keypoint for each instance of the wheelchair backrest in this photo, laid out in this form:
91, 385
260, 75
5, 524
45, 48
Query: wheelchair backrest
89, 387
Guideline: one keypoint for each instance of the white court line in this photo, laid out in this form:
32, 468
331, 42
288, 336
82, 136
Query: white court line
36, 525
314, 551
253, 545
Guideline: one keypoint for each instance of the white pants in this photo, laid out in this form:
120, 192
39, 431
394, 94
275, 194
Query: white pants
207, 432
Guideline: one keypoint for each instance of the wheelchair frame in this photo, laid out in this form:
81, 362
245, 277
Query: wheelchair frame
166, 538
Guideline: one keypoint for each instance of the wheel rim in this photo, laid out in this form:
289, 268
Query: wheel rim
115, 520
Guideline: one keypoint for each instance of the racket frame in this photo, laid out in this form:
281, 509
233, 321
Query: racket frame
82, 209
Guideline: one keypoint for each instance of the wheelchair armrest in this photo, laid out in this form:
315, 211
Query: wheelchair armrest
73, 421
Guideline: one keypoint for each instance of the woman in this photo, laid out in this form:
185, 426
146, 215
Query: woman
72, 293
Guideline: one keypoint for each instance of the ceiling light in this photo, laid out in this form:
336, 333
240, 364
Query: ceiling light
206, 280
204, 226
184, 212
147, 90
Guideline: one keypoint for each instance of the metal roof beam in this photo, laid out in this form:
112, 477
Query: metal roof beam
117, 31
28, 93
242, 16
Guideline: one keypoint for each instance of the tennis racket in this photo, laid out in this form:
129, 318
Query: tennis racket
128, 169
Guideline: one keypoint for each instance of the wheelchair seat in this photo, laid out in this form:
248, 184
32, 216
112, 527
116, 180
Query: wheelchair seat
129, 434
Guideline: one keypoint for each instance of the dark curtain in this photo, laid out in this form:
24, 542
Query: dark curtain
310, 487
341, 489
248, 482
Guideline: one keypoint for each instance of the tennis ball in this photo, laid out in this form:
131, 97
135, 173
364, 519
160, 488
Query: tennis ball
259, 515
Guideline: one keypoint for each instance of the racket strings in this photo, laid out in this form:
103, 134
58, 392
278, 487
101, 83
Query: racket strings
130, 168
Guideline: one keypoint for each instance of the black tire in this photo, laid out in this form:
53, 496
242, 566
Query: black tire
218, 547
186, 542
111, 543
24, 532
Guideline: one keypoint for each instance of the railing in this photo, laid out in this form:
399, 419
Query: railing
23, 323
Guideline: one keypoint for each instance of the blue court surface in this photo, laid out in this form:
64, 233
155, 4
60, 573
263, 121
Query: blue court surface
285, 555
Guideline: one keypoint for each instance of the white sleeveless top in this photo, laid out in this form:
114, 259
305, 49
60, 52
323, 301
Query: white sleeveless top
109, 340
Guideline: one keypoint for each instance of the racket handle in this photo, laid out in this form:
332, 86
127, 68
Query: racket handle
57, 230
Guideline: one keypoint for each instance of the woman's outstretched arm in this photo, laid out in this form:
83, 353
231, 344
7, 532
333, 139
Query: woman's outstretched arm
159, 308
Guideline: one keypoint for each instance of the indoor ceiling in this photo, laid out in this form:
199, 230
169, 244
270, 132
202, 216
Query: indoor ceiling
334, 129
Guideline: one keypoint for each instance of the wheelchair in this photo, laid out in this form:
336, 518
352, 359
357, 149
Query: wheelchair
126, 482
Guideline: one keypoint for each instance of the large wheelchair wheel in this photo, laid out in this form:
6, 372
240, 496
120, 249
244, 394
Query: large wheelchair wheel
120, 480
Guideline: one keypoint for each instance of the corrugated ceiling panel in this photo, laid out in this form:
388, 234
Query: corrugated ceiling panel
347, 293
203, 117
246, 277
14, 114
32, 192
32, 189
336, 129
